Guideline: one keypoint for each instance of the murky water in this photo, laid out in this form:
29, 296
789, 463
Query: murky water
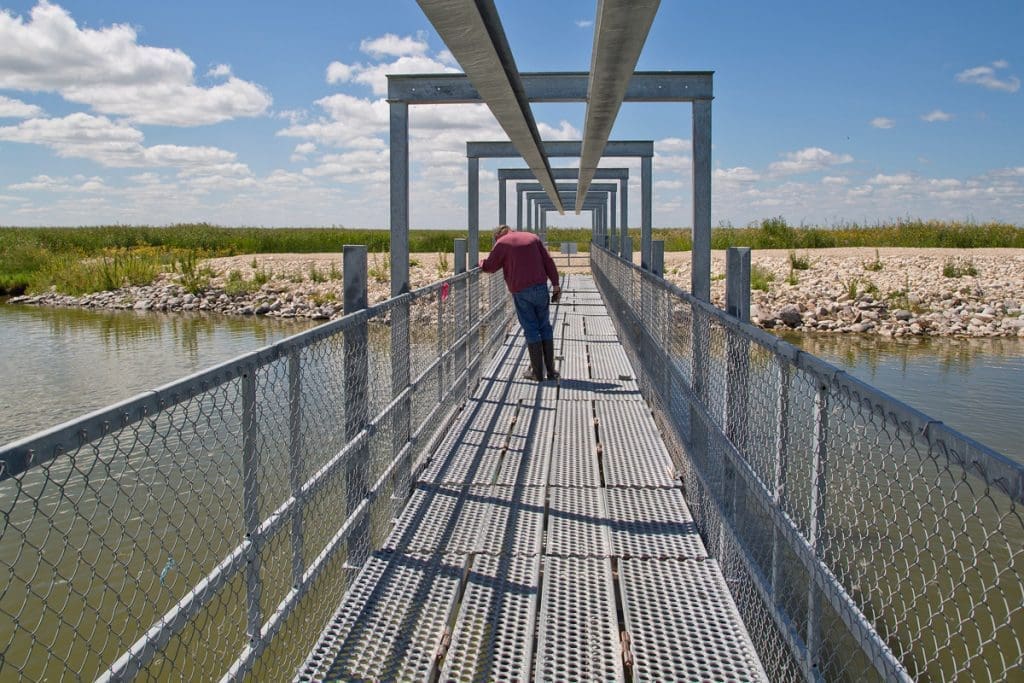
58, 363
975, 386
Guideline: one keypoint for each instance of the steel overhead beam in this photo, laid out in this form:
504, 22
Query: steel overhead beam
643, 86
620, 31
561, 148
473, 33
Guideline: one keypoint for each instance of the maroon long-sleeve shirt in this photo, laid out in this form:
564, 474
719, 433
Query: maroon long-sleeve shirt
523, 260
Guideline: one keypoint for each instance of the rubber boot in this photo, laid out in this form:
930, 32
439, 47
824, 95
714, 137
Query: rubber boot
536, 371
549, 357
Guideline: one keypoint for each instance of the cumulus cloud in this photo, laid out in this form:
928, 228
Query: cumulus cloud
584, 23
936, 115
16, 109
219, 71
108, 70
390, 45
110, 143
898, 179
302, 151
986, 77
410, 58
565, 131
834, 180
882, 122
673, 145
739, 174
807, 160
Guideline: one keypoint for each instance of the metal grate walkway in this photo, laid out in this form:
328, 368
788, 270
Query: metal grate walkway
548, 540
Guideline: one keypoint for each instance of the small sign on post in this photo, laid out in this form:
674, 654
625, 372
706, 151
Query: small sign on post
568, 248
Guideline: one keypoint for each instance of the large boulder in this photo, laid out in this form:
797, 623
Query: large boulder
790, 315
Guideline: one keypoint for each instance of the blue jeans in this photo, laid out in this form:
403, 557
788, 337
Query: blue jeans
532, 311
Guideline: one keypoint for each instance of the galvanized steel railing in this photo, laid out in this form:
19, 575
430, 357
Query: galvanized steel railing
175, 534
861, 539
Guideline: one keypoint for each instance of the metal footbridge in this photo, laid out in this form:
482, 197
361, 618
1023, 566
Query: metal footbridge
546, 539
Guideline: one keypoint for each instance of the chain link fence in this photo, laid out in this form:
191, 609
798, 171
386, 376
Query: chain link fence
861, 539
208, 528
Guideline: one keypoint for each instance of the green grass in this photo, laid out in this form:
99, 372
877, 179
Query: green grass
958, 267
28, 256
875, 265
799, 262
760, 277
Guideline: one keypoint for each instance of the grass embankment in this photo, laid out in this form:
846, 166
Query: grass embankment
82, 260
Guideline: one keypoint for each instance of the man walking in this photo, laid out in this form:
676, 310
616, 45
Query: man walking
527, 266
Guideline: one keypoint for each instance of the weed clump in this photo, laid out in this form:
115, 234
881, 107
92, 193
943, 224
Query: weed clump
957, 267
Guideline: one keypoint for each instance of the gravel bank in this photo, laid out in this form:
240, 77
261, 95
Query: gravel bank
888, 292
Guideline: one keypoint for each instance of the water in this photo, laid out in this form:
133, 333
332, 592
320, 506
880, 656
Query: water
59, 363
975, 386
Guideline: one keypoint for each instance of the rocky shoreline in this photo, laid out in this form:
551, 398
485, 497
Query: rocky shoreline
885, 292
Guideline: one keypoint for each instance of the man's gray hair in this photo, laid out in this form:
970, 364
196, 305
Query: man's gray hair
500, 230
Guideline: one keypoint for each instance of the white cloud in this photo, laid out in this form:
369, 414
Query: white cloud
109, 71
338, 73
882, 122
672, 162
46, 183
896, 180
807, 160
16, 109
302, 151
673, 145
985, 76
739, 174
834, 180
219, 71
936, 115
584, 23
109, 143
390, 45
565, 131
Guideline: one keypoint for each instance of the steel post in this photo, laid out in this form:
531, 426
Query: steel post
819, 468
737, 283
700, 276
502, 203
295, 462
624, 222
646, 195
658, 257
473, 206
356, 365
251, 503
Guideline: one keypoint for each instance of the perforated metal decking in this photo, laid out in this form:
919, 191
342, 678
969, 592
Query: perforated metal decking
547, 539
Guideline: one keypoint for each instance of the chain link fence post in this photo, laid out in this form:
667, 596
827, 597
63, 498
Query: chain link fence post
737, 374
356, 364
819, 468
251, 503
781, 472
295, 461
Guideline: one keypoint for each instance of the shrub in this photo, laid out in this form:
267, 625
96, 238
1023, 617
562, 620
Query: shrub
236, 284
955, 267
315, 275
797, 262
776, 234
760, 277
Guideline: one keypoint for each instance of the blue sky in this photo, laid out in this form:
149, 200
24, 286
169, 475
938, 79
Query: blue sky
263, 113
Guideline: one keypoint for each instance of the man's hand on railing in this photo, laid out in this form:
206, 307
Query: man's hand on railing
556, 294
